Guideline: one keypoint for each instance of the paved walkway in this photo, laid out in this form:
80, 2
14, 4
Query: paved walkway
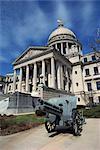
39, 139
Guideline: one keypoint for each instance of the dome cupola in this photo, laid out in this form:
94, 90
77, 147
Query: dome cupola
61, 30
64, 40
60, 33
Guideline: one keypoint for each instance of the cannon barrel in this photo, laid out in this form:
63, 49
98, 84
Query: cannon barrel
47, 107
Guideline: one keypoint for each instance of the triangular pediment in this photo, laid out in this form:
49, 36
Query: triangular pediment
29, 53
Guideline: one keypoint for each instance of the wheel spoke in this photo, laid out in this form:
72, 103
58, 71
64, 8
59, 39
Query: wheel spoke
50, 126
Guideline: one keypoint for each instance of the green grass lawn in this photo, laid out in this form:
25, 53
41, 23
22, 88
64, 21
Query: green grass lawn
92, 112
29, 119
12, 124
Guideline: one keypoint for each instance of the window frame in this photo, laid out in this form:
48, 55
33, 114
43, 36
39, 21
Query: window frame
86, 72
93, 57
98, 85
96, 71
85, 59
89, 86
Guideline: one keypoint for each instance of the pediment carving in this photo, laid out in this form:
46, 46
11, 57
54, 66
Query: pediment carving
31, 53
28, 54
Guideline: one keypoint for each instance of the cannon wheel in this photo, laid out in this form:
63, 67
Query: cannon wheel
76, 131
77, 128
50, 127
77, 124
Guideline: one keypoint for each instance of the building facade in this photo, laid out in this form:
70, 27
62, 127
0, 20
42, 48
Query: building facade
57, 68
91, 77
2, 84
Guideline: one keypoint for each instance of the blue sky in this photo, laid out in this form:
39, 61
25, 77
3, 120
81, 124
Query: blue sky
29, 23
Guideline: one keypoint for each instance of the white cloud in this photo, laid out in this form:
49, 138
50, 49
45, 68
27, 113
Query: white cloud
35, 27
87, 11
87, 15
63, 12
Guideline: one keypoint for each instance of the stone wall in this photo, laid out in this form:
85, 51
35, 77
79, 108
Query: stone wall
50, 93
21, 103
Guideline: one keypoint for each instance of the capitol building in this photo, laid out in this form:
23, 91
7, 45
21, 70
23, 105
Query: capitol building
57, 69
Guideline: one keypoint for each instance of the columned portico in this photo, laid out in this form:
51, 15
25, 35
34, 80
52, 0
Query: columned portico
27, 78
66, 47
43, 71
20, 80
35, 77
62, 78
66, 86
49, 75
71, 88
56, 46
62, 48
14, 81
53, 72
59, 75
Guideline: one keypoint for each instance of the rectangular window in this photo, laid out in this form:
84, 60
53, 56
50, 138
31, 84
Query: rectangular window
87, 72
93, 58
96, 70
98, 85
89, 86
85, 59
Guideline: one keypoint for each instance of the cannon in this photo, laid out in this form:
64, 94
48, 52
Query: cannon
60, 111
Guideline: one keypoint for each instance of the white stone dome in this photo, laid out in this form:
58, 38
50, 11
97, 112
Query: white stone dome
61, 30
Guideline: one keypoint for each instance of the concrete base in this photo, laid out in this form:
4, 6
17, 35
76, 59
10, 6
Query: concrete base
21, 103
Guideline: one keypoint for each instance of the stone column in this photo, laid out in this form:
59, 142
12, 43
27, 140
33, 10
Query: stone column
66, 88
5, 90
35, 77
56, 46
27, 78
62, 48
66, 47
14, 81
20, 80
62, 78
80, 51
69, 79
71, 88
59, 75
48, 72
53, 72
43, 71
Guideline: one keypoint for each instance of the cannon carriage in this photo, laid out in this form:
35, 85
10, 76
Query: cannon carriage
61, 111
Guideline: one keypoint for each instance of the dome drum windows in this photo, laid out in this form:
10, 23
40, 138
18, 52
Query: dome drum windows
64, 48
69, 45
59, 46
